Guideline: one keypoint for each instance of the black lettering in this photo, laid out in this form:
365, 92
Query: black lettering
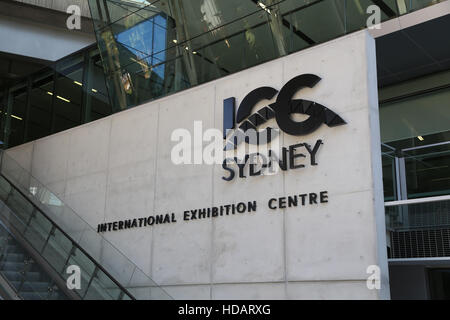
202, 213
241, 207
271, 206
159, 219
252, 206
313, 151
231, 171
241, 166
292, 201
253, 165
293, 156
102, 227
282, 203
303, 197
324, 197
312, 198
283, 162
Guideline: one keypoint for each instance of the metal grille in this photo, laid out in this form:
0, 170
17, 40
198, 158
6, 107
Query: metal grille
433, 214
420, 243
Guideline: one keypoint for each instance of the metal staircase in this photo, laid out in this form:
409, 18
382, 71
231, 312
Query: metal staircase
42, 240
35, 255
26, 278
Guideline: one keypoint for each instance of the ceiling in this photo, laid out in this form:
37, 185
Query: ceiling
413, 52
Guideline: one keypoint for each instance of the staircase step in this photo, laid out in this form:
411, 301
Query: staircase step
40, 287
12, 248
17, 276
15, 257
12, 275
12, 266
33, 296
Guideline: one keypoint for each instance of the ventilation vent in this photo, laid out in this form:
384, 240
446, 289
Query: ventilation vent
420, 243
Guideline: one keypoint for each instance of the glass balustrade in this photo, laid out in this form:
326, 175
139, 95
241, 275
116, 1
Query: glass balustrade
64, 239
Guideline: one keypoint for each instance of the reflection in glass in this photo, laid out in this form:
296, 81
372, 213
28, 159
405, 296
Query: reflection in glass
17, 116
39, 124
69, 80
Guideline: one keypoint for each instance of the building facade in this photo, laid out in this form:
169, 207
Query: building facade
234, 150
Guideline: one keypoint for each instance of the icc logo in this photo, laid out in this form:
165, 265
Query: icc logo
281, 110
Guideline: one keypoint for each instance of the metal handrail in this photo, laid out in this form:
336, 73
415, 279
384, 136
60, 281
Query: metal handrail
416, 201
37, 203
74, 243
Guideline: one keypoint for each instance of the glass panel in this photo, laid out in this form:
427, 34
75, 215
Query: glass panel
11, 220
39, 122
5, 189
69, 92
413, 5
19, 108
97, 104
111, 259
415, 116
23, 208
428, 168
38, 231
102, 288
389, 174
357, 16
58, 250
22, 272
87, 268
322, 21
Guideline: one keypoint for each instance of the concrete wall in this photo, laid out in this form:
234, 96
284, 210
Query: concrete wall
60, 5
120, 167
40, 41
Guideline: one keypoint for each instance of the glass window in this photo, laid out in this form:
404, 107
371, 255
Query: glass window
416, 129
39, 122
69, 93
428, 166
389, 173
97, 102
17, 116
415, 116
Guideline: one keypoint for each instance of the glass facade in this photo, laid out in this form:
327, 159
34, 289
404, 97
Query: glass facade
415, 135
149, 49
70, 92
154, 48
